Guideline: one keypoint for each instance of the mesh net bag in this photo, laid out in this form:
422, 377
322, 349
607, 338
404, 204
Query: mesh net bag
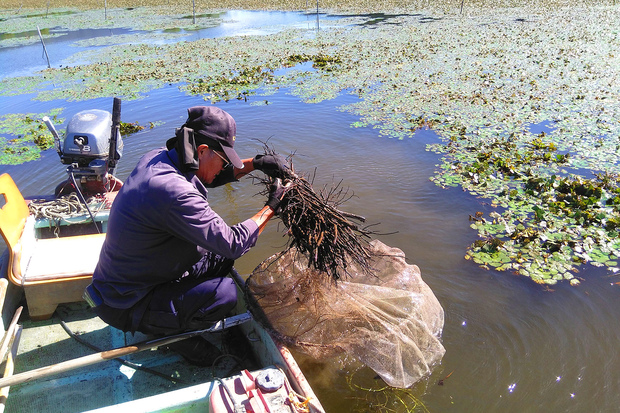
389, 320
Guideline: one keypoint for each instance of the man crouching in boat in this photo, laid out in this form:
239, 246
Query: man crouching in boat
164, 264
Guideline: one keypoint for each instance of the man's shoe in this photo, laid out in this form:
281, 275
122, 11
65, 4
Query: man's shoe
197, 351
235, 343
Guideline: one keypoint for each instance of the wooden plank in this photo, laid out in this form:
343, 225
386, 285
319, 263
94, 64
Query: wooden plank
10, 366
10, 333
60, 258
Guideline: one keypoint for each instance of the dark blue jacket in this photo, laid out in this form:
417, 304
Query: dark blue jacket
160, 225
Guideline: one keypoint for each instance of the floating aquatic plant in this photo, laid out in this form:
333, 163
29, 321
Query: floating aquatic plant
128, 128
238, 85
24, 136
572, 221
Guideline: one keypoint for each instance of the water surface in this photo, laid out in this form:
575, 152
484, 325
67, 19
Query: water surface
62, 44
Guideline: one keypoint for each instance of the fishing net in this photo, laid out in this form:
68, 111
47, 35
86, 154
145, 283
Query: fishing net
390, 320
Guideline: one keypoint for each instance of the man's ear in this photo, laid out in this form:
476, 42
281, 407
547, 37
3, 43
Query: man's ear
201, 148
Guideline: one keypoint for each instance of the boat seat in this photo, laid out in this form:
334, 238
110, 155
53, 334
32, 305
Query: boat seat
51, 271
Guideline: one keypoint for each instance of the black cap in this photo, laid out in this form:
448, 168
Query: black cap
216, 128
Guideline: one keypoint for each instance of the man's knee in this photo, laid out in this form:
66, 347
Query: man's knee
226, 294
221, 301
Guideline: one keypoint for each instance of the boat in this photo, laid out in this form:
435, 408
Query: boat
57, 355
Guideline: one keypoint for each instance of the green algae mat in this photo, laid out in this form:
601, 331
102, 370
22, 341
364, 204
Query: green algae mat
525, 102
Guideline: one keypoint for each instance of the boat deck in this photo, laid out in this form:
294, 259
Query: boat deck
109, 383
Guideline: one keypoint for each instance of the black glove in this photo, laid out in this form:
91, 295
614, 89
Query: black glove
276, 193
273, 166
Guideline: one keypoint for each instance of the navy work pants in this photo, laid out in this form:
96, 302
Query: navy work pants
203, 295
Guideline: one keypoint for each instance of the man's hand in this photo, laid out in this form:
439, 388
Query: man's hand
273, 166
276, 193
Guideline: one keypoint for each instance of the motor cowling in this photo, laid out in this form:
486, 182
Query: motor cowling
87, 140
86, 149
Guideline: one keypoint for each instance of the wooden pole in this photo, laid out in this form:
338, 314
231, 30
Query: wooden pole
44, 48
317, 14
105, 9
194, 10
10, 332
10, 366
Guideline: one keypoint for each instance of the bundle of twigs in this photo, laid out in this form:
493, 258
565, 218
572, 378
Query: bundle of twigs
318, 229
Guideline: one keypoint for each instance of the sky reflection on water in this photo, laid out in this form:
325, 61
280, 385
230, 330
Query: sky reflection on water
61, 43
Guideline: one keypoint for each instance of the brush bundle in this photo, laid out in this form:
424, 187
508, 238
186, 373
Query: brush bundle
318, 229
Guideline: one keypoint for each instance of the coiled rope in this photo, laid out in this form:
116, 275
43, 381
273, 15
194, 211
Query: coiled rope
63, 207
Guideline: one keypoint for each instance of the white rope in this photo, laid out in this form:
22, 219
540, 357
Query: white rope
64, 207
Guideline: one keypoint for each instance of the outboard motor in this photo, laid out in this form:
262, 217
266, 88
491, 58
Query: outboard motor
87, 143
91, 148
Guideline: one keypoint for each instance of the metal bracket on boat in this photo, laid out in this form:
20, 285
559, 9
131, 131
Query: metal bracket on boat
218, 326
230, 322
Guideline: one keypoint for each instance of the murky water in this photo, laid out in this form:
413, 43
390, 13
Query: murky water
510, 345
